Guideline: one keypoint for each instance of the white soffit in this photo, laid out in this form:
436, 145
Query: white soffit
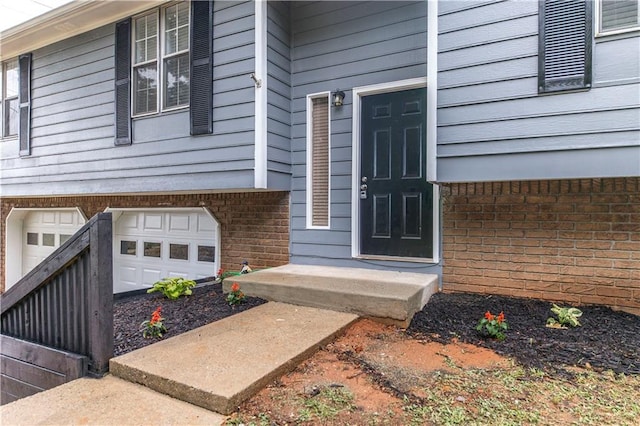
66, 21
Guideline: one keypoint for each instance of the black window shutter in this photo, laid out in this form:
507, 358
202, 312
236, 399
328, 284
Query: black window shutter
123, 82
24, 101
565, 40
201, 88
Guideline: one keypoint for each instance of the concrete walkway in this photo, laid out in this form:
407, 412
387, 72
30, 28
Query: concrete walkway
216, 366
106, 401
190, 378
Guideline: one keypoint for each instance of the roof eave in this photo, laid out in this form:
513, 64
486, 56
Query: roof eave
66, 21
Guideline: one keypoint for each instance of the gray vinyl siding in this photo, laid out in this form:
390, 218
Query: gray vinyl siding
493, 125
278, 94
341, 45
73, 148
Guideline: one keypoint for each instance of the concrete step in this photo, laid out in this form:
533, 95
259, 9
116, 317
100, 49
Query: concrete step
221, 364
106, 401
389, 296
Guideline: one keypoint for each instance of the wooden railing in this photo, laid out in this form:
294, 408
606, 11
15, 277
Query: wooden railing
66, 302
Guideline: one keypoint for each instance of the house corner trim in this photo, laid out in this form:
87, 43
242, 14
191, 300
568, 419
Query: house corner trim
260, 166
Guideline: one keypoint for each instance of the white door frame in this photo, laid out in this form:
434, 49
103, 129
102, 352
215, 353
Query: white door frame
357, 94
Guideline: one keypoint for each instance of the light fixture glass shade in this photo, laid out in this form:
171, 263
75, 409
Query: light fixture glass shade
338, 98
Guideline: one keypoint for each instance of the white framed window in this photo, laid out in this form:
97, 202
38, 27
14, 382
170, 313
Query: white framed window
318, 160
617, 16
9, 87
160, 73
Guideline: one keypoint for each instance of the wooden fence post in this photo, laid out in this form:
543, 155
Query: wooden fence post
100, 295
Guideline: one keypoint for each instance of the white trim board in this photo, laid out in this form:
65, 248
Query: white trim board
358, 93
432, 95
260, 160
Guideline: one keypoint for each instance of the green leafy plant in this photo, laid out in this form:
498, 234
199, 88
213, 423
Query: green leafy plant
566, 317
153, 327
235, 296
493, 326
174, 287
222, 274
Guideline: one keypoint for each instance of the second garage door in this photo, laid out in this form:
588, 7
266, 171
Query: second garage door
150, 245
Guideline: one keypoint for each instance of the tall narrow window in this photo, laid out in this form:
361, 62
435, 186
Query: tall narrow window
318, 161
10, 103
161, 59
619, 15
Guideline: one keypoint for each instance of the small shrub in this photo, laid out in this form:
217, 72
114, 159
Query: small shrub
566, 317
173, 288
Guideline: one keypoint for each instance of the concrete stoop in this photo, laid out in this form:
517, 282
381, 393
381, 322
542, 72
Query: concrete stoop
221, 364
389, 296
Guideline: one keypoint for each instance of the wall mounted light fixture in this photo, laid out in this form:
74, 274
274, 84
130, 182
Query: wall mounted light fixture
338, 98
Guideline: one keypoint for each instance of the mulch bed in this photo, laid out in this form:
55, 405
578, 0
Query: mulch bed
207, 304
607, 339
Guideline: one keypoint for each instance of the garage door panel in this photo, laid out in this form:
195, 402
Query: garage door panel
205, 224
150, 276
128, 274
178, 274
48, 218
128, 222
179, 223
67, 218
152, 222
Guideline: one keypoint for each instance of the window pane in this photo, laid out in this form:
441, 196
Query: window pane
176, 28
145, 89
64, 238
619, 14
49, 240
176, 81
11, 110
146, 31
183, 38
128, 247
206, 254
32, 238
152, 249
11, 85
179, 251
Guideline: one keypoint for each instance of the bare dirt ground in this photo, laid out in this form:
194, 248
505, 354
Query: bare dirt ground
439, 371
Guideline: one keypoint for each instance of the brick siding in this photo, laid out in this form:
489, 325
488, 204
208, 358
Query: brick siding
253, 226
576, 241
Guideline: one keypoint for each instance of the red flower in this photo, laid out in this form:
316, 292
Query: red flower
501, 317
220, 272
235, 287
155, 316
488, 316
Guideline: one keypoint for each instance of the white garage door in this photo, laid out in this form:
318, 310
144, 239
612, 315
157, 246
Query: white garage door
44, 231
150, 245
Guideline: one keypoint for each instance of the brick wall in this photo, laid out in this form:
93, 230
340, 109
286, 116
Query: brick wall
254, 226
576, 241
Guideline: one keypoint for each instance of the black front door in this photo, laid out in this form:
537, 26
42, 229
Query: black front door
396, 201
